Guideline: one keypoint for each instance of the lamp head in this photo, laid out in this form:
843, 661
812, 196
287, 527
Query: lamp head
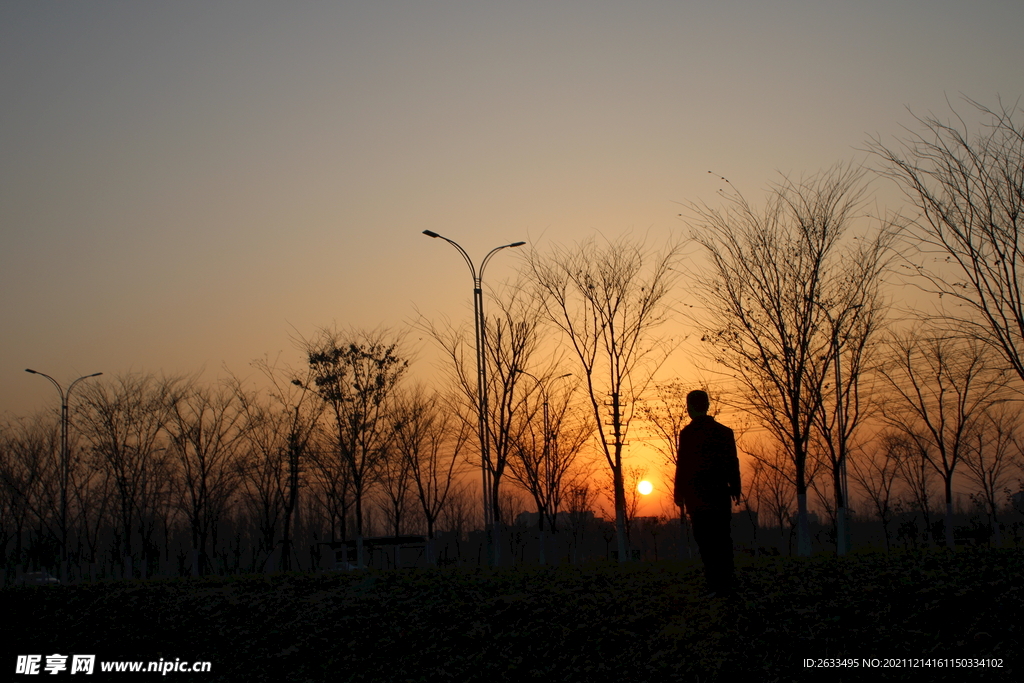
430, 233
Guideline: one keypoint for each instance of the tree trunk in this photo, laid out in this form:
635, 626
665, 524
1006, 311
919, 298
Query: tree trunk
950, 543
803, 531
620, 512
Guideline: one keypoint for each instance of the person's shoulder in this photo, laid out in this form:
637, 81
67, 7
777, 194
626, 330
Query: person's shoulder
700, 425
705, 424
715, 424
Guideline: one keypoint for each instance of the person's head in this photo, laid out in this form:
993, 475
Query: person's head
697, 403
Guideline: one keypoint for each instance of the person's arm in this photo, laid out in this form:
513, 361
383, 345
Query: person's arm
734, 469
675, 488
677, 493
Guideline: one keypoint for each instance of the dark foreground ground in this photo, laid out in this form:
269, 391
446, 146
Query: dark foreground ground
638, 622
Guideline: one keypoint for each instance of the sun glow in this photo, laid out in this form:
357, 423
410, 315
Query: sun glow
645, 487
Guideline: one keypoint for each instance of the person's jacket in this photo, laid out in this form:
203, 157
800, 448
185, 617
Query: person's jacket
707, 469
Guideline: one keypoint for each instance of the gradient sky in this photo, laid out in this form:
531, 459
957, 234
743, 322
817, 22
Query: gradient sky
189, 185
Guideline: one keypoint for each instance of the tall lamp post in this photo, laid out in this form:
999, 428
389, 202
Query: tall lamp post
481, 369
842, 523
64, 464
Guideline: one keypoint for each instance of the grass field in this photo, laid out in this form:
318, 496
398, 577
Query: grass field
635, 622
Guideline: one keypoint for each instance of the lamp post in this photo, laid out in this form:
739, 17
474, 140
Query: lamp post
64, 465
481, 372
842, 525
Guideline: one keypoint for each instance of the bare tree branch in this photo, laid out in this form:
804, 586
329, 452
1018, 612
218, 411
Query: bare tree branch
608, 301
968, 241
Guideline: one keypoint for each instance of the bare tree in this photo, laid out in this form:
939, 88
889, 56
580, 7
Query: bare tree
329, 480
301, 428
546, 453
993, 453
579, 505
430, 439
457, 509
632, 475
968, 242
277, 427
122, 420
942, 388
855, 312
31, 475
92, 495
547, 450
913, 469
754, 503
772, 483
877, 474
780, 290
263, 470
512, 505
394, 479
30, 480
395, 483
511, 339
204, 430
608, 301
356, 374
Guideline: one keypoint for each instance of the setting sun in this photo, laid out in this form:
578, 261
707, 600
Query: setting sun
645, 487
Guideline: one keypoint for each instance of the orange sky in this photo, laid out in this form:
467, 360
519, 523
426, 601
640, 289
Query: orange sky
188, 186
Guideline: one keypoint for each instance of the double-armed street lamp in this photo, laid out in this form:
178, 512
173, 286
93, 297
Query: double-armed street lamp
64, 464
481, 365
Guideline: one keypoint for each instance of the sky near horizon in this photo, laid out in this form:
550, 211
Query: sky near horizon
193, 185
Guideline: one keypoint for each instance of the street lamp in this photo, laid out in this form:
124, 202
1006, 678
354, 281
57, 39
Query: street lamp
64, 465
842, 525
481, 368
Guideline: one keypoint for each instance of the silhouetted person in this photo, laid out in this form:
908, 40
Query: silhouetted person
707, 477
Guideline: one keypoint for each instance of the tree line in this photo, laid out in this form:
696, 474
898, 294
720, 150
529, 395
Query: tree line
799, 304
